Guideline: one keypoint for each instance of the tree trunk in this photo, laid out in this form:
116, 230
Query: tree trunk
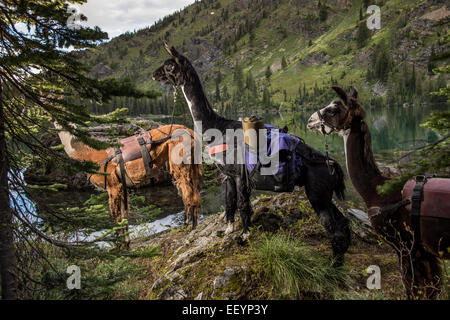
8, 262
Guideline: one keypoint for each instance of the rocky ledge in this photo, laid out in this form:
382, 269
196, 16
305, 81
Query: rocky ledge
205, 264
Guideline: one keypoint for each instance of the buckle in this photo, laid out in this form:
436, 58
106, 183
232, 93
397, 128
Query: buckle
141, 141
421, 178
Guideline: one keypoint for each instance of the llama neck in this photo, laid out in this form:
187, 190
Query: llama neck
199, 106
361, 166
78, 150
67, 139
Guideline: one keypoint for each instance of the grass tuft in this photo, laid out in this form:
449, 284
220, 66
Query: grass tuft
297, 271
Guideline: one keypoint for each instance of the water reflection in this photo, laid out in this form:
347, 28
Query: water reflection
392, 129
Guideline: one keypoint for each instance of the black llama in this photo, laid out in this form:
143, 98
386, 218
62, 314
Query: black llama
315, 175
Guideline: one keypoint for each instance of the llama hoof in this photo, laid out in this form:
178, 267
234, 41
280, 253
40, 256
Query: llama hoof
242, 239
230, 228
220, 233
223, 217
338, 261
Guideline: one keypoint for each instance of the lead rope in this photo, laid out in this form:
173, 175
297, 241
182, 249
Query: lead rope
331, 171
173, 109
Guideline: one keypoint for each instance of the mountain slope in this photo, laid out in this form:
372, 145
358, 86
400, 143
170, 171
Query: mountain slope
317, 41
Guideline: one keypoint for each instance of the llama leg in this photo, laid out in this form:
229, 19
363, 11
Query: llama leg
421, 274
195, 211
321, 201
187, 184
115, 207
342, 235
196, 198
245, 208
187, 214
125, 215
230, 203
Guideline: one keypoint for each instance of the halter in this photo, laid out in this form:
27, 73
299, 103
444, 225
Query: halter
170, 77
323, 123
331, 170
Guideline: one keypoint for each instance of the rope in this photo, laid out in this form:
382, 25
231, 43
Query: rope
331, 171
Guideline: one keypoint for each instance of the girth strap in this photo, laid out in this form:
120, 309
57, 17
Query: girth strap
105, 163
122, 175
416, 199
145, 156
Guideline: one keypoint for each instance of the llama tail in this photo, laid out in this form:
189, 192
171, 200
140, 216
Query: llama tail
340, 185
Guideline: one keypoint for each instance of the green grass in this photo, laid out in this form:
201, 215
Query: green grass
295, 270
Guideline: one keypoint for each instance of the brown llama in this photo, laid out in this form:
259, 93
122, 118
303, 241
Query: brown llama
419, 260
170, 141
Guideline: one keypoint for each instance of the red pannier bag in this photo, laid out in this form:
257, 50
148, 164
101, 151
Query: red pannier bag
434, 214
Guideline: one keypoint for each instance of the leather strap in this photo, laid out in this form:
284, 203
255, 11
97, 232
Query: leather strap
416, 201
291, 171
145, 156
105, 163
122, 174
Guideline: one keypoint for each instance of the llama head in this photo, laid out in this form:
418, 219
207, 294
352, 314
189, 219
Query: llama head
339, 114
174, 71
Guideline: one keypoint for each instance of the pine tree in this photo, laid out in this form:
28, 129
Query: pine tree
323, 12
413, 79
268, 72
39, 81
251, 84
266, 98
284, 63
217, 93
362, 35
381, 62
252, 37
239, 77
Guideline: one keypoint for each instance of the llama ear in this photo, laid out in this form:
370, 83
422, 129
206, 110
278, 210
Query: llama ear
341, 93
353, 104
353, 92
356, 109
166, 46
172, 51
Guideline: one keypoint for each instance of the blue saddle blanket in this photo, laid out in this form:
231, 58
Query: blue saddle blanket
280, 159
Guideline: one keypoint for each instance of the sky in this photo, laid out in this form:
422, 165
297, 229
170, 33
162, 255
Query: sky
119, 16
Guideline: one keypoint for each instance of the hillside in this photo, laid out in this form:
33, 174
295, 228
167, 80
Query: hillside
307, 45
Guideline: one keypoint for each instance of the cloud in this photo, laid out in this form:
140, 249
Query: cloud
119, 16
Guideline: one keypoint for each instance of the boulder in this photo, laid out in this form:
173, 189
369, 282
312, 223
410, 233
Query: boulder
230, 285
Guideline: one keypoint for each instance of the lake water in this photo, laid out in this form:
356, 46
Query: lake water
392, 129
